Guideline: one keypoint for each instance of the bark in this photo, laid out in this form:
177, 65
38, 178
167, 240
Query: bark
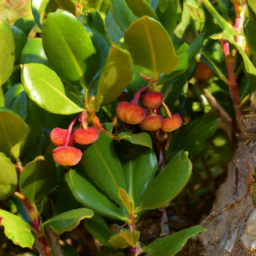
231, 225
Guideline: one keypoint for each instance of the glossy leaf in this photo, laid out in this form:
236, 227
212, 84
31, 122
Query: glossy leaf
9, 177
7, 51
115, 76
139, 165
33, 52
188, 137
126, 200
153, 49
20, 39
13, 133
98, 227
25, 24
122, 14
103, 167
45, 88
16, 229
67, 45
168, 184
38, 10
173, 243
141, 8
142, 138
38, 178
67, 221
89, 196
15, 99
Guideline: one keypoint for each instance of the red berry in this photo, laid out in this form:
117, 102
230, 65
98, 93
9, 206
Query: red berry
66, 155
130, 113
171, 124
152, 100
203, 72
151, 123
58, 137
86, 137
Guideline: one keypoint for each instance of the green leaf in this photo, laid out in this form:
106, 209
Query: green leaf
114, 31
139, 165
142, 138
141, 8
98, 227
33, 52
168, 183
67, 45
153, 48
15, 99
38, 178
67, 221
130, 237
173, 243
126, 200
9, 177
38, 10
20, 39
122, 14
115, 76
193, 136
2, 100
252, 5
103, 167
67, 5
13, 133
16, 229
89, 196
7, 51
45, 88
118, 241
25, 24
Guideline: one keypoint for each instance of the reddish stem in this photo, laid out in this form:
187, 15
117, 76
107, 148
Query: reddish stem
70, 132
136, 96
233, 86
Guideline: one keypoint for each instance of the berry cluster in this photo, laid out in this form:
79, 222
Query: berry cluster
66, 153
149, 120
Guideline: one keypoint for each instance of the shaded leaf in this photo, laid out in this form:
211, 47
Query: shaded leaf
115, 76
13, 133
25, 24
98, 227
20, 39
130, 237
89, 196
153, 49
168, 184
45, 88
7, 51
173, 243
38, 178
67, 45
118, 241
193, 136
122, 14
67, 221
103, 167
16, 229
38, 10
9, 177
67, 5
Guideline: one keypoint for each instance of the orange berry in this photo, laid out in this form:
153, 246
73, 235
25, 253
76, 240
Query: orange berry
66, 155
152, 100
130, 113
203, 72
86, 137
151, 123
171, 124
58, 137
